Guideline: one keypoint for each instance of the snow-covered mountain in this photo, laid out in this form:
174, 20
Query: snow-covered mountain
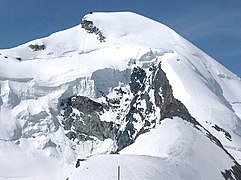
117, 90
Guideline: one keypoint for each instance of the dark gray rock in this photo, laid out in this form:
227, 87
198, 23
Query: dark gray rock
234, 173
78, 162
18, 58
36, 47
90, 28
164, 99
87, 123
124, 140
219, 129
137, 79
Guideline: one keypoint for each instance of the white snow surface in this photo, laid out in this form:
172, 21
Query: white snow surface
32, 141
172, 150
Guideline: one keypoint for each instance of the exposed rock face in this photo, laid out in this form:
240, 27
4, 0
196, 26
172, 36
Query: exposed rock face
148, 101
36, 47
164, 105
164, 99
232, 174
82, 120
18, 58
137, 107
141, 110
227, 135
90, 28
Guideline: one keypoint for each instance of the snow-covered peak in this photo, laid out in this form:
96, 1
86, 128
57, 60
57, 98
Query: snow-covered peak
127, 25
118, 28
100, 86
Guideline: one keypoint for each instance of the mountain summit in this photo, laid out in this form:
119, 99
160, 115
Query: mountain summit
118, 90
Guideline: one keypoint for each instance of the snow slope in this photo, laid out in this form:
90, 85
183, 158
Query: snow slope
183, 154
32, 82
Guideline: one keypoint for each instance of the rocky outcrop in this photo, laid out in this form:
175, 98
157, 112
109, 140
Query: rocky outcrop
233, 174
90, 28
82, 120
140, 110
164, 99
141, 105
36, 47
18, 58
219, 129
137, 107
82, 116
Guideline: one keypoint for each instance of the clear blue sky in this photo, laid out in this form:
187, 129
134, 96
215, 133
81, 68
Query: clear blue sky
212, 25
